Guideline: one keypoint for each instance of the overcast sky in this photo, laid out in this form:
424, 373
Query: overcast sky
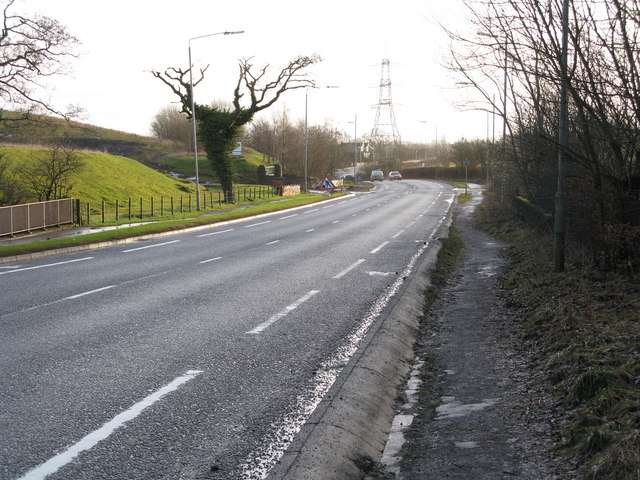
123, 40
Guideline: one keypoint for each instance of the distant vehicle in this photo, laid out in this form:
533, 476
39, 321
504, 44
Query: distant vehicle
395, 175
377, 175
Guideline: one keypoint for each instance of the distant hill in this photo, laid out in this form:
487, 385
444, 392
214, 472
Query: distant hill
45, 130
161, 155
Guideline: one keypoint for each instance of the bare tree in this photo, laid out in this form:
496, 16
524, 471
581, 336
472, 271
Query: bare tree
523, 39
219, 127
50, 172
12, 190
30, 49
172, 124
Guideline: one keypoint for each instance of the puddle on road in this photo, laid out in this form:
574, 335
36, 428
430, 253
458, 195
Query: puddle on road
274, 445
466, 445
488, 270
454, 409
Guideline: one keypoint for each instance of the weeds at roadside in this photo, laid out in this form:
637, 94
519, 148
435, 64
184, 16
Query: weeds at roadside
585, 325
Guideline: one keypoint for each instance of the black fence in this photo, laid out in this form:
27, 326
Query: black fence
158, 207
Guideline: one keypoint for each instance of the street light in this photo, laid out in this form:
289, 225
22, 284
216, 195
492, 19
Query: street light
306, 132
193, 110
425, 144
504, 112
560, 201
355, 149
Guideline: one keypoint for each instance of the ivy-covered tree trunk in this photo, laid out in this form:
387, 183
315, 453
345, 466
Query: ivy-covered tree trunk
219, 131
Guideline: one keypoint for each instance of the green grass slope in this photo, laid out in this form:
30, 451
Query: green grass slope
110, 177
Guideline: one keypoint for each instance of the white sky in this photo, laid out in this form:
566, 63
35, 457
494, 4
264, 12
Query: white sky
123, 40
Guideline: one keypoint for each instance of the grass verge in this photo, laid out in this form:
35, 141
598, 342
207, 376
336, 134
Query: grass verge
158, 227
586, 327
450, 257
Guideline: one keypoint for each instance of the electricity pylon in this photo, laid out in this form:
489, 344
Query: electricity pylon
384, 135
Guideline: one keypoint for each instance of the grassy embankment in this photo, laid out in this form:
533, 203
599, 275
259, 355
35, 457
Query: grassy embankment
109, 178
586, 325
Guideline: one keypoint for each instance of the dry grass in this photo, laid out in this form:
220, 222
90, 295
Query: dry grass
585, 325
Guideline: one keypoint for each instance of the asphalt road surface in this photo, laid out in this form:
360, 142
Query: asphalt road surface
200, 354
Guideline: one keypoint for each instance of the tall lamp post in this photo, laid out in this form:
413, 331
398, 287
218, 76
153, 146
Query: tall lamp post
306, 132
425, 145
504, 112
355, 147
560, 202
193, 110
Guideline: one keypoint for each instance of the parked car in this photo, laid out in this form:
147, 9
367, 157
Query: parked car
395, 175
377, 175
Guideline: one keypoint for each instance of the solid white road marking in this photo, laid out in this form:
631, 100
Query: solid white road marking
263, 326
89, 441
348, 269
210, 260
379, 247
216, 233
88, 293
47, 265
150, 246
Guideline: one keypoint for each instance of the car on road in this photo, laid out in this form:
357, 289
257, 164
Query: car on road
395, 175
377, 175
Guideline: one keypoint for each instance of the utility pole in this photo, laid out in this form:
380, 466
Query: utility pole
560, 207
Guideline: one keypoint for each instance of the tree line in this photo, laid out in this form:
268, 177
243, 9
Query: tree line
515, 53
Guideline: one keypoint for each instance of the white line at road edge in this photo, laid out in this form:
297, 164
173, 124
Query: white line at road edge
47, 265
150, 246
55, 463
263, 326
259, 462
348, 269
379, 247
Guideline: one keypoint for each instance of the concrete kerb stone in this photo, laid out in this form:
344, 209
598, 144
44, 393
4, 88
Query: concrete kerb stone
350, 425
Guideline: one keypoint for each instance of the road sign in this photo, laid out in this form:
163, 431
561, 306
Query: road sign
237, 152
327, 184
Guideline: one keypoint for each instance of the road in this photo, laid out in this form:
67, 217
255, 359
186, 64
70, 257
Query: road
200, 354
